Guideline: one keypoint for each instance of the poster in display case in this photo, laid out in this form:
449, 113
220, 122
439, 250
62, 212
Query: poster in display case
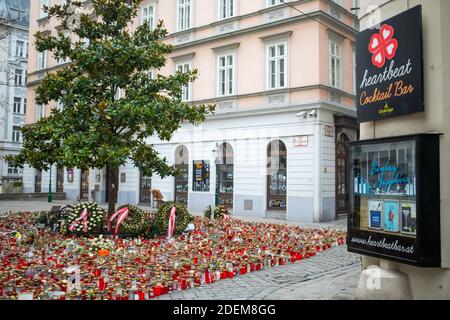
375, 212
390, 216
201, 176
395, 200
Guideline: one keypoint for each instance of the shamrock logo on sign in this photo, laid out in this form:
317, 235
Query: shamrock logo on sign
383, 46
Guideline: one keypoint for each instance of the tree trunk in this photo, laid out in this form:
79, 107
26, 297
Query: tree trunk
113, 186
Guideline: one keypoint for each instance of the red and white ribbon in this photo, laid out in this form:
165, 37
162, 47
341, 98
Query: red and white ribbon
226, 217
120, 214
83, 216
171, 226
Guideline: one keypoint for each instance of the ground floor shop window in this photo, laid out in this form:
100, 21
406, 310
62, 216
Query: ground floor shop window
145, 188
60, 179
84, 185
37, 180
181, 179
276, 175
225, 175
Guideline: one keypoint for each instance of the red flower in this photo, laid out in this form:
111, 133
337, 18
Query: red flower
383, 46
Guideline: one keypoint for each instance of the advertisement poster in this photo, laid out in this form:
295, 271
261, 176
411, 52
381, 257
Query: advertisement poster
389, 59
409, 217
201, 176
391, 216
375, 213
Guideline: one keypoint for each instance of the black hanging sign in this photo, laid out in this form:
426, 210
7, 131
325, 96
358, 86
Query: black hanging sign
389, 68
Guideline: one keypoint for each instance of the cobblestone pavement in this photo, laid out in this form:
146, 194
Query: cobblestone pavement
332, 274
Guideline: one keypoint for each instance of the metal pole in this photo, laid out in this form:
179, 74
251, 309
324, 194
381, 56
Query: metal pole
216, 198
50, 186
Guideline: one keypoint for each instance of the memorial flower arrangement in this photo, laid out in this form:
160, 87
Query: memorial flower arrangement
182, 217
136, 268
85, 218
219, 212
136, 222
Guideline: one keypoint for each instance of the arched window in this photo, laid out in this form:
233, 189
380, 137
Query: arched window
225, 175
181, 179
276, 175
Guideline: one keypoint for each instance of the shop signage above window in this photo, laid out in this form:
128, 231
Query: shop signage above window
394, 199
389, 72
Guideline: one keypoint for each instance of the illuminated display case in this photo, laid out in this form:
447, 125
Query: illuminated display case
394, 199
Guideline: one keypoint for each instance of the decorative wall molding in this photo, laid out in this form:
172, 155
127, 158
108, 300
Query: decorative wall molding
276, 15
227, 27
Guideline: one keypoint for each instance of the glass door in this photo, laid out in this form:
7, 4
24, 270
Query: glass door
225, 175
276, 176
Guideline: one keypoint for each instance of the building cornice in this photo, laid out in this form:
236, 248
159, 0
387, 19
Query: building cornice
325, 17
258, 13
330, 106
276, 91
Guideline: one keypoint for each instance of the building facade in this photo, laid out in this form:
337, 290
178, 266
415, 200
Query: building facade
281, 76
14, 18
422, 283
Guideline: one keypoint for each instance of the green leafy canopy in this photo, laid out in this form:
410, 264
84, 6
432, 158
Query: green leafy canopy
96, 128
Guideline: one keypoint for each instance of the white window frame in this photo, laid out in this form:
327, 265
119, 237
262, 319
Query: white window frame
40, 111
227, 9
41, 60
24, 105
16, 134
227, 78
17, 104
19, 77
12, 170
182, 22
185, 66
149, 17
277, 60
42, 14
337, 57
272, 3
151, 74
20, 50
59, 105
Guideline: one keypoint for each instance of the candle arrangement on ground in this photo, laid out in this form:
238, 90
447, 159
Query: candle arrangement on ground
40, 264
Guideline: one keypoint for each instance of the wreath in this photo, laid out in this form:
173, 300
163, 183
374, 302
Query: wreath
136, 222
182, 217
220, 211
94, 221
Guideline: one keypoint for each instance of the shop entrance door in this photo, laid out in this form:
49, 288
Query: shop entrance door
341, 175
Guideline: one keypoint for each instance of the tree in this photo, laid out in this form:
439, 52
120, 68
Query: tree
96, 128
